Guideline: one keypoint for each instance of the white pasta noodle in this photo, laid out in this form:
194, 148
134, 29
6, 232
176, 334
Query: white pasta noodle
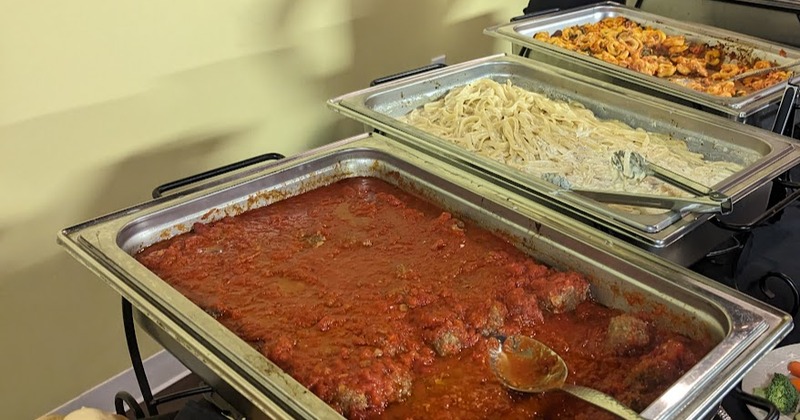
537, 135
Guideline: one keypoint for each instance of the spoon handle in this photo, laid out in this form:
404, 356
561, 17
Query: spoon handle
601, 400
759, 72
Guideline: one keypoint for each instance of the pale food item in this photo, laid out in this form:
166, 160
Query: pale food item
92, 414
84, 413
540, 136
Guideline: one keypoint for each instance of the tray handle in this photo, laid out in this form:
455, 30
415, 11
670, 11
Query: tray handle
407, 73
784, 118
529, 14
180, 183
524, 51
762, 285
531, 10
775, 209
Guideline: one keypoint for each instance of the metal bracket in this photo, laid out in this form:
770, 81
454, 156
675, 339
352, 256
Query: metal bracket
784, 118
788, 282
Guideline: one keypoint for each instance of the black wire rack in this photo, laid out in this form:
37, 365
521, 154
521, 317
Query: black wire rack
150, 402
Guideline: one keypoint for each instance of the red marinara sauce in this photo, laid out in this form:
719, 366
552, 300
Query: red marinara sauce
385, 306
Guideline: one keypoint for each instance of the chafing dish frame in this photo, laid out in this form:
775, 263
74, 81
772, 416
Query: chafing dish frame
379, 106
757, 108
747, 328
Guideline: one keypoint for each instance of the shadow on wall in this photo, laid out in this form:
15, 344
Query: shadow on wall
59, 324
187, 123
174, 159
55, 312
282, 93
389, 37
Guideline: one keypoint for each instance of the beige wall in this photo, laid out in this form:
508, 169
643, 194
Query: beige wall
100, 101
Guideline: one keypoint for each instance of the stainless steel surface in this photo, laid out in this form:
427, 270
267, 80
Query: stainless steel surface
764, 155
744, 328
710, 202
633, 165
528, 365
780, 4
788, 106
689, 204
752, 108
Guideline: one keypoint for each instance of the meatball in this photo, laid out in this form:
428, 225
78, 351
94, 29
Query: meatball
349, 400
662, 366
446, 343
365, 391
449, 339
495, 319
524, 306
627, 335
280, 351
561, 292
486, 318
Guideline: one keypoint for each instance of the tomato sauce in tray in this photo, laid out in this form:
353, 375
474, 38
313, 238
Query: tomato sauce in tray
385, 306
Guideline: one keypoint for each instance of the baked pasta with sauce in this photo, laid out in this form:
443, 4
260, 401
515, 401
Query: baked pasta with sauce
699, 66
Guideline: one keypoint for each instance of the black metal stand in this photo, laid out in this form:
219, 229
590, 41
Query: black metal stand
136, 359
732, 260
150, 403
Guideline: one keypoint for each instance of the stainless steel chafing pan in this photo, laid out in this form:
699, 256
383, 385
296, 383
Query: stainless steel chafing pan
764, 155
757, 108
744, 328
793, 5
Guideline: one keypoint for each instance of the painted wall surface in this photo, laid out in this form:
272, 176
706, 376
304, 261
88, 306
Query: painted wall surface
101, 101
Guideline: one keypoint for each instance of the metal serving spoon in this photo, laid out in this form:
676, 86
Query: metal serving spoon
759, 72
527, 365
633, 165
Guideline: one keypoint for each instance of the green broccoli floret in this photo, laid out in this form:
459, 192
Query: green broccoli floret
780, 392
